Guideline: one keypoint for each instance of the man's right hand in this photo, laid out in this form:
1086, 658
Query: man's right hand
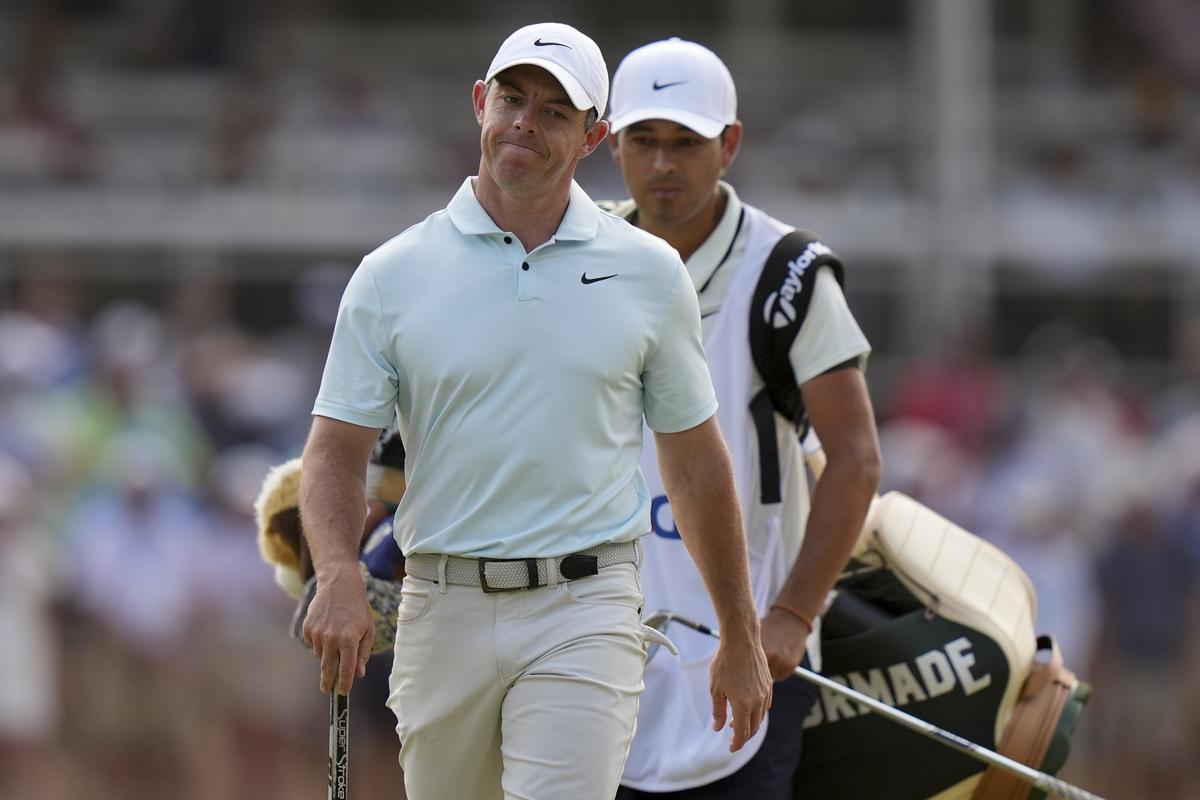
338, 627
740, 677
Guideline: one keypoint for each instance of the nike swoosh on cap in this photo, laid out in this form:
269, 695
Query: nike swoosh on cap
540, 43
660, 86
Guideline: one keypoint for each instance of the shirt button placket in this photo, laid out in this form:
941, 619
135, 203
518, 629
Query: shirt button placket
526, 283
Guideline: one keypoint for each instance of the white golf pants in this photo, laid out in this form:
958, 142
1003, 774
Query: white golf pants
525, 695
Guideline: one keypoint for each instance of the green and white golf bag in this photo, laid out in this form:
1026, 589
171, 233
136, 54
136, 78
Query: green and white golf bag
933, 619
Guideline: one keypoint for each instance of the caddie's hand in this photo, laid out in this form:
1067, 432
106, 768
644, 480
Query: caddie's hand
741, 680
783, 640
339, 629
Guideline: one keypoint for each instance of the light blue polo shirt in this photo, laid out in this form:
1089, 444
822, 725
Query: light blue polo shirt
520, 380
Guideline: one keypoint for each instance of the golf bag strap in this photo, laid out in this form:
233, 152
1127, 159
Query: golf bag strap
1029, 732
780, 305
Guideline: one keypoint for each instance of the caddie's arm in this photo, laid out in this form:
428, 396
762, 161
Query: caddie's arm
333, 507
698, 476
839, 409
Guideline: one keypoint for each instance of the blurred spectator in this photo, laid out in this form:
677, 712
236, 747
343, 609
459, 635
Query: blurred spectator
1059, 199
235, 589
1181, 398
960, 390
240, 393
252, 713
1171, 29
29, 691
820, 152
923, 461
1148, 582
33, 354
39, 142
131, 555
1042, 538
237, 139
204, 34
1080, 419
344, 138
133, 548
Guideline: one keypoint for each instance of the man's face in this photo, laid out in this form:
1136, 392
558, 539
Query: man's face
531, 134
672, 171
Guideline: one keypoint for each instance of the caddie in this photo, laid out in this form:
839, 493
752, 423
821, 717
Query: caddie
676, 132
522, 337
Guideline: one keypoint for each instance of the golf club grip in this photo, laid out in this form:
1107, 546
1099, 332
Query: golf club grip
339, 745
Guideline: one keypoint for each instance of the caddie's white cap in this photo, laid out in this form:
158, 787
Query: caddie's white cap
681, 81
572, 58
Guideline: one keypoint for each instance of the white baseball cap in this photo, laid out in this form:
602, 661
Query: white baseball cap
681, 81
572, 58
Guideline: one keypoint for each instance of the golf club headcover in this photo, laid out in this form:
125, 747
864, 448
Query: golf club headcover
280, 539
280, 532
652, 637
383, 598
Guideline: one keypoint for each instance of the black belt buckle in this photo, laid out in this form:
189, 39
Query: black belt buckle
530, 566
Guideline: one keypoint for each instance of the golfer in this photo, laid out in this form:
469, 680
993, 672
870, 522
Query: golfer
522, 336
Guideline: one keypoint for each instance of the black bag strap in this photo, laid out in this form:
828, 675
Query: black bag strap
780, 305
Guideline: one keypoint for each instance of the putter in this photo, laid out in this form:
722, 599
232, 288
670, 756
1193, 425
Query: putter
1040, 780
339, 744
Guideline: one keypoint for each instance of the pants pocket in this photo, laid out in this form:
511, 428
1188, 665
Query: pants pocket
618, 585
416, 595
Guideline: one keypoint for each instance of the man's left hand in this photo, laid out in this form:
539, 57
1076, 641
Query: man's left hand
739, 680
783, 640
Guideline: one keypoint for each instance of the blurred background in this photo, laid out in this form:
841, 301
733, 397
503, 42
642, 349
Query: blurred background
186, 185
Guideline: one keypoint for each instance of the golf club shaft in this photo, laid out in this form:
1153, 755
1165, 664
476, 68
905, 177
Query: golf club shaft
1040, 780
339, 745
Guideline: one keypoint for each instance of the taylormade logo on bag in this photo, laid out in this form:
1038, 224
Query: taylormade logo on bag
778, 311
937, 672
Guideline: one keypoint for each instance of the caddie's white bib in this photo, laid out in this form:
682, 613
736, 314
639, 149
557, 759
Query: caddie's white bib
675, 747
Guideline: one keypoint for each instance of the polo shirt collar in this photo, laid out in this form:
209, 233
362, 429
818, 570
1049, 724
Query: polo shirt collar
580, 223
582, 219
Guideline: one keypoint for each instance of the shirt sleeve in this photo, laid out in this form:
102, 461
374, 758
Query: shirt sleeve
360, 381
678, 388
830, 335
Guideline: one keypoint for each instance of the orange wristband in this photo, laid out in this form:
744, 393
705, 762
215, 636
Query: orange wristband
800, 615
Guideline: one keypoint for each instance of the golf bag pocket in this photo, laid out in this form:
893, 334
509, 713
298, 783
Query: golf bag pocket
1039, 733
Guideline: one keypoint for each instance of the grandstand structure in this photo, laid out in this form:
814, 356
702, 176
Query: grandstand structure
973, 161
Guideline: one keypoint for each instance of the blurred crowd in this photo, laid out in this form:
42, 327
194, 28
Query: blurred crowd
145, 646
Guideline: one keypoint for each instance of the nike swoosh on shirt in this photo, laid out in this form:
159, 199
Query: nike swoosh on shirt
660, 86
585, 280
